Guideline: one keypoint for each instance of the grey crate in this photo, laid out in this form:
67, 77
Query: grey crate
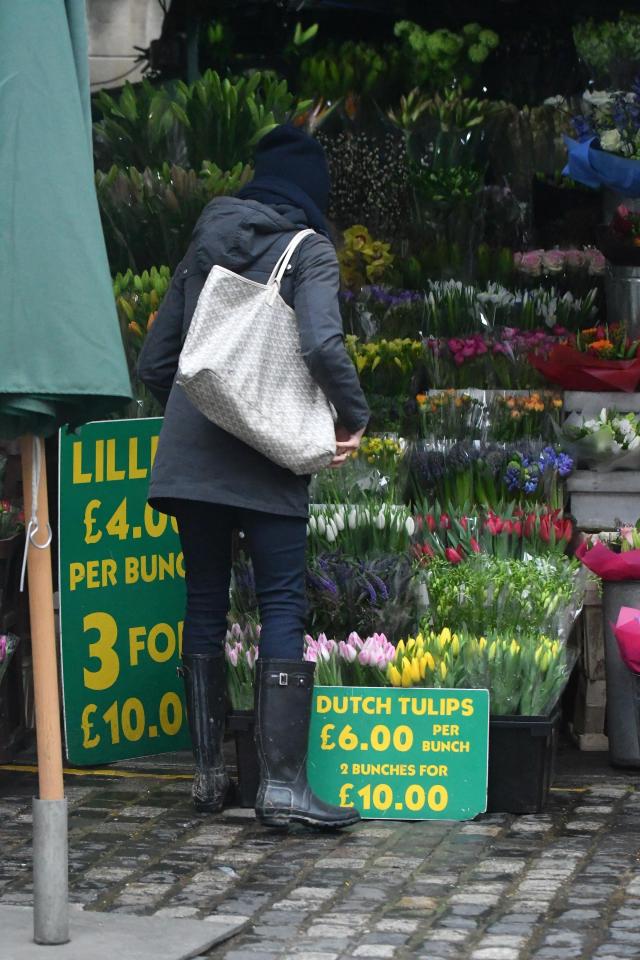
600, 500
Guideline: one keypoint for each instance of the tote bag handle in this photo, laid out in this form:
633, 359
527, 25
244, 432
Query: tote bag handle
283, 261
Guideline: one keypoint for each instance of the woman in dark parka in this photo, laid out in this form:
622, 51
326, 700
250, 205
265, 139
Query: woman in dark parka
213, 483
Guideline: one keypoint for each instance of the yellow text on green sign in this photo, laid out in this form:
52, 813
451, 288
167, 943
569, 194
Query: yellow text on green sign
121, 598
408, 754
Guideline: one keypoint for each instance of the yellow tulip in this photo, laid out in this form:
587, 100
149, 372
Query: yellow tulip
514, 648
423, 667
493, 649
455, 645
482, 642
407, 676
400, 648
430, 661
394, 676
415, 670
443, 670
411, 642
445, 636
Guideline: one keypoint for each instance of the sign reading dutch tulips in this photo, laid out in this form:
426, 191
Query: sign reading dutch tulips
403, 754
121, 598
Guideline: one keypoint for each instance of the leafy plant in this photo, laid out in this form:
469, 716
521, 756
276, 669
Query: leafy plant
610, 48
438, 58
214, 119
339, 70
148, 216
132, 131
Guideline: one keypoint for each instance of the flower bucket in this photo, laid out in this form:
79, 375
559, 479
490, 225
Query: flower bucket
622, 288
623, 687
521, 762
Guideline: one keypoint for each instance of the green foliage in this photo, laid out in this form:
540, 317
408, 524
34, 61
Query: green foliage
137, 300
439, 58
611, 48
450, 110
350, 68
214, 119
223, 120
148, 216
130, 133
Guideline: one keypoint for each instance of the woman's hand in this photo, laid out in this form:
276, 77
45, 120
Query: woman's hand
346, 444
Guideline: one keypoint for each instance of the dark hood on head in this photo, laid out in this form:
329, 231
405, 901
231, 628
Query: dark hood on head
236, 233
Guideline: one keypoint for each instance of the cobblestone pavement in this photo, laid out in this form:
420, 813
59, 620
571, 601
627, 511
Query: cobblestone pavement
563, 884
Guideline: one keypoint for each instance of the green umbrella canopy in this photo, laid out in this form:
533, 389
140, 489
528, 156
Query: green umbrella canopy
61, 353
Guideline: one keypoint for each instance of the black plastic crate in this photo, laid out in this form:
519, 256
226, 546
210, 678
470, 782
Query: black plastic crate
240, 724
522, 753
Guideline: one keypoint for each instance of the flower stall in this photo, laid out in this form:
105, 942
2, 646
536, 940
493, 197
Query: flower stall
482, 303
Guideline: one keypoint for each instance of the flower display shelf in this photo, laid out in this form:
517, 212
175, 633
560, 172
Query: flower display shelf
599, 501
522, 754
600, 498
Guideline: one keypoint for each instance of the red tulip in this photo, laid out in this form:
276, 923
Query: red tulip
452, 555
475, 546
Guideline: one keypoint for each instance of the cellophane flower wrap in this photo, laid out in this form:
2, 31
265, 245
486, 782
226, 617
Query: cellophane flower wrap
618, 559
524, 675
8, 644
608, 441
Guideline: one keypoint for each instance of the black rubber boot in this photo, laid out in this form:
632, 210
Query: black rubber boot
284, 696
205, 687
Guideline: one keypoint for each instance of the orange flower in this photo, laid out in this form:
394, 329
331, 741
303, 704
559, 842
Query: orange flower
421, 399
152, 319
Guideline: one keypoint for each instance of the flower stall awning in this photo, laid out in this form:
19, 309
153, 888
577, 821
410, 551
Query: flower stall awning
61, 355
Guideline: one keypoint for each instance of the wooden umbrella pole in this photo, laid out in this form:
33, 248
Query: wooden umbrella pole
43, 639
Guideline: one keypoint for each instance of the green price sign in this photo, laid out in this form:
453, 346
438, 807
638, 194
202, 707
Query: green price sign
121, 598
401, 754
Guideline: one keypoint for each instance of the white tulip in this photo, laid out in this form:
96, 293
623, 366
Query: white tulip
410, 526
322, 526
313, 526
331, 533
338, 521
380, 521
352, 519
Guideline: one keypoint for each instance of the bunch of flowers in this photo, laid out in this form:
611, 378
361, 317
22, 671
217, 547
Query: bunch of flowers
360, 529
620, 240
627, 223
609, 441
514, 416
450, 413
486, 474
485, 593
500, 360
382, 594
514, 533
538, 263
371, 476
613, 556
524, 675
526, 477
350, 662
362, 259
607, 342
11, 519
386, 366
241, 652
382, 452
615, 120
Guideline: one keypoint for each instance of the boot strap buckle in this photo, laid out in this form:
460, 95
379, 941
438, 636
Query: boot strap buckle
283, 679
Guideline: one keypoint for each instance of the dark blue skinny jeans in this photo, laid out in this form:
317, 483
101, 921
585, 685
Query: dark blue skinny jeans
277, 545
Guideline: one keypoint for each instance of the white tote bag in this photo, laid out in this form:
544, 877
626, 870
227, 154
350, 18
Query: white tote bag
242, 367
